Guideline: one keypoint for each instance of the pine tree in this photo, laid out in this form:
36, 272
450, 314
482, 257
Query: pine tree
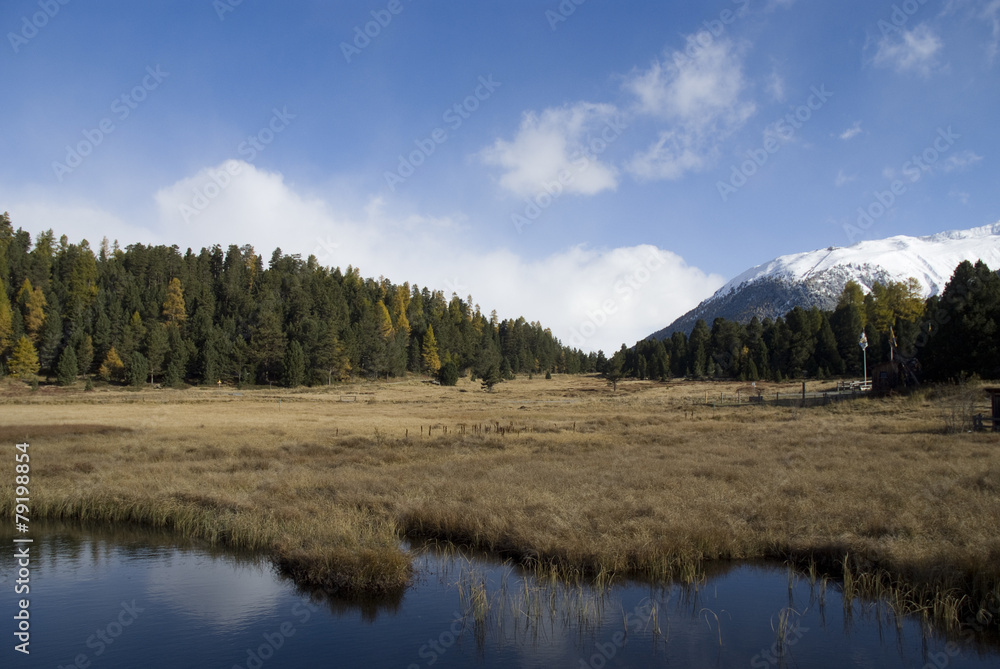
448, 376
85, 355
66, 369
491, 377
6, 320
51, 337
177, 357
132, 337
613, 371
156, 346
385, 322
331, 356
399, 302
174, 309
112, 369
505, 371
294, 365
23, 361
267, 345
33, 304
138, 369
429, 352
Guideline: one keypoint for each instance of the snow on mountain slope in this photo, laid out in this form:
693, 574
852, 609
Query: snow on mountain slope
816, 278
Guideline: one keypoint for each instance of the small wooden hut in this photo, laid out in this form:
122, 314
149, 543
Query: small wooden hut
994, 394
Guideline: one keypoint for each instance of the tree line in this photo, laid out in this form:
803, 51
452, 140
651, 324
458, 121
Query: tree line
152, 314
950, 335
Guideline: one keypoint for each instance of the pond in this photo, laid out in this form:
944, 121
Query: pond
138, 599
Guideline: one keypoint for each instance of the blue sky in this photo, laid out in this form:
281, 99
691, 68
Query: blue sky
600, 167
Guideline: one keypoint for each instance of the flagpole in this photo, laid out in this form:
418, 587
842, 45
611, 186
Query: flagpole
863, 343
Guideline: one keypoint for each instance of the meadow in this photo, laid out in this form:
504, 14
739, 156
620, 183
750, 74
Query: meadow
652, 481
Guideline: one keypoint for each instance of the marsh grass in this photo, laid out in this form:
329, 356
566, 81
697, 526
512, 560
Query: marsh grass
576, 483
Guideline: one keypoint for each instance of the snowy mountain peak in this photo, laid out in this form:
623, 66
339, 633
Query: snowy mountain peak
817, 278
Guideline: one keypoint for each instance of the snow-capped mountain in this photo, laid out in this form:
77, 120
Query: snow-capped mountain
817, 278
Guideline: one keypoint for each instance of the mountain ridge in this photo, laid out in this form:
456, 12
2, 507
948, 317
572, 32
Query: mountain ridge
817, 278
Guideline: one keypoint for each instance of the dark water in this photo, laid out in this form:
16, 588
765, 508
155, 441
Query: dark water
137, 600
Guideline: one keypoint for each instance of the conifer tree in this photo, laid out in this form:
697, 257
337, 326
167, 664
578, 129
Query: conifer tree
613, 370
331, 356
23, 361
491, 377
429, 352
132, 337
112, 369
294, 365
85, 355
33, 305
385, 322
448, 376
66, 369
6, 320
155, 349
177, 357
138, 369
174, 309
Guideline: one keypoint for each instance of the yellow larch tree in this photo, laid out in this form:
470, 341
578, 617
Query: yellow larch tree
429, 351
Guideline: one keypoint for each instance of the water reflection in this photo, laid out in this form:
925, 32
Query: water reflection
132, 598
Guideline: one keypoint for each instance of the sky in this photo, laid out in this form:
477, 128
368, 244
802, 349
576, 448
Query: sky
600, 167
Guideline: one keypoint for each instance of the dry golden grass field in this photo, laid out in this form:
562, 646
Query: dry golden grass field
563, 474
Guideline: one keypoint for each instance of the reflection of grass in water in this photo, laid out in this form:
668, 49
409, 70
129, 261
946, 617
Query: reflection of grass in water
536, 607
782, 629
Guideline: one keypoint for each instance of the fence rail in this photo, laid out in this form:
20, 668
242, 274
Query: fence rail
788, 398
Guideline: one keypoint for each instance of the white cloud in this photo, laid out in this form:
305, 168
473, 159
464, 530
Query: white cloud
961, 196
843, 179
590, 298
991, 14
776, 87
987, 11
699, 96
910, 51
674, 154
556, 142
960, 161
697, 91
851, 132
